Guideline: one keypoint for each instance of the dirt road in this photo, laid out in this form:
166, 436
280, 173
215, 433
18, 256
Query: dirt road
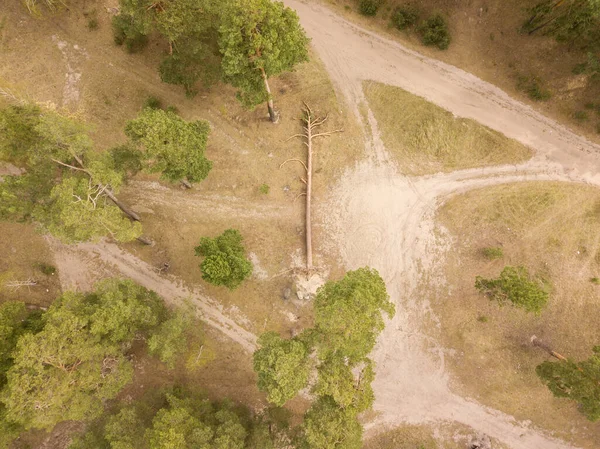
82, 265
386, 220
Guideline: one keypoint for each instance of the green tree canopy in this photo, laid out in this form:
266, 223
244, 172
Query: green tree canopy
225, 260
189, 423
259, 39
169, 340
171, 145
515, 285
66, 186
337, 380
76, 362
329, 426
189, 27
578, 381
575, 21
348, 315
282, 366
12, 316
177, 419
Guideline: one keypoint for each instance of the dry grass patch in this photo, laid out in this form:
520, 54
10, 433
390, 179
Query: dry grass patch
427, 139
425, 436
552, 229
26, 256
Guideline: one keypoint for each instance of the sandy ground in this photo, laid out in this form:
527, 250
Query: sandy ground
379, 218
386, 220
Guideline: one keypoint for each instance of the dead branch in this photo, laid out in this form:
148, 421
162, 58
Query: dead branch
295, 160
145, 240
15, 285
309, 124
540, 344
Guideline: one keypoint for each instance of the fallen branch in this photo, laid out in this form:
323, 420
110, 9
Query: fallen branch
18, 284
540, 344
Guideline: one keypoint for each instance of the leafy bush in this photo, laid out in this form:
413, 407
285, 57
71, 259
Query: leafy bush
515, 286
533, 87
46, 269
125, 33
580, 116
434, 31
264, 189
152, 102
369, 7
492, 253
225, 260
92, 24
405, 16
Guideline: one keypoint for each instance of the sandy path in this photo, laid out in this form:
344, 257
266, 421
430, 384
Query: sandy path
386, 220
81, 265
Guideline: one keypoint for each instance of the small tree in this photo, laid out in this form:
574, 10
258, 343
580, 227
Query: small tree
171, 145
514, 285
225, 260
348, 314
434, 31
578, 381
259, 39
282, 367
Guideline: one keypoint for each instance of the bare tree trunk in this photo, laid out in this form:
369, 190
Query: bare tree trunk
309, 257
145, 240
131, 214
272, 114
540, 344
310, 123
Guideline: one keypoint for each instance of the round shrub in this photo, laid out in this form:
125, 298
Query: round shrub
368, 7
225, 260
434, 31
405, 16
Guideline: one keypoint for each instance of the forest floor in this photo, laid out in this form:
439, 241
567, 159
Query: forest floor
368, 212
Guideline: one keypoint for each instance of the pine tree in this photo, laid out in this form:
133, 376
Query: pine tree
578, 381
259, 39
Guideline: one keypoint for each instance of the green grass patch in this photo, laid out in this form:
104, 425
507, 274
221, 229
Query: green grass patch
427, 139
533, 86
492, 252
